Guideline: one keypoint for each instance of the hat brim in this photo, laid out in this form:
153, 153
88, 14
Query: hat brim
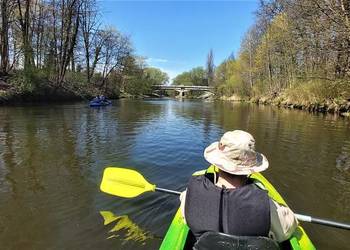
216, 157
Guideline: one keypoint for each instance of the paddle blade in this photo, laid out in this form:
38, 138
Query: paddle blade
124, 182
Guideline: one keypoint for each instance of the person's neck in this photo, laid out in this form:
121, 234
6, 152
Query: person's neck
230, 181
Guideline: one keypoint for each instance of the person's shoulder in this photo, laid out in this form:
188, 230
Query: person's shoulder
206, 179
196, 178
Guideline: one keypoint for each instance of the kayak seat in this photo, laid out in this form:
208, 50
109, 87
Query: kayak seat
190, 241
221, 241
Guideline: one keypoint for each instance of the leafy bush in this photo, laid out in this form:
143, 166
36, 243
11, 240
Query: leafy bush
315, 91
27, 81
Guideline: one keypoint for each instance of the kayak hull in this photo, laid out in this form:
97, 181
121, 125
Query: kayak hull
176, 236
100, 104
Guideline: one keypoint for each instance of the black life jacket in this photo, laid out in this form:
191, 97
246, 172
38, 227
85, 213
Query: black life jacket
244, 211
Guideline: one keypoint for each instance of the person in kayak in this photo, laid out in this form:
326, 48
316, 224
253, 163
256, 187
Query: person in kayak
96, 99
229, 202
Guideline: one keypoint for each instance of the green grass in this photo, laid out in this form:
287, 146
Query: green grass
317, 91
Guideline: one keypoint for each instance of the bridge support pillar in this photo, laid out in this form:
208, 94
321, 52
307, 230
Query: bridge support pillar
181, 93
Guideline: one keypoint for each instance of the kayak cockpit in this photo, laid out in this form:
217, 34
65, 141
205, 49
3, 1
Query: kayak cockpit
221, 241
180, 237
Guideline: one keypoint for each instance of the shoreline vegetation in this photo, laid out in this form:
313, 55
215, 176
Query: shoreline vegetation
49, 93
338, 107
295, 55
61, 50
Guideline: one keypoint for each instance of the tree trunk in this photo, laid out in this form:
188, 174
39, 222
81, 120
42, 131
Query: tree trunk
25, 23
4, 37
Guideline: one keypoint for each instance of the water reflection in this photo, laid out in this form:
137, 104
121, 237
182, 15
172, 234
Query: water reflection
343, 160
124, 226
52, 159
8, 160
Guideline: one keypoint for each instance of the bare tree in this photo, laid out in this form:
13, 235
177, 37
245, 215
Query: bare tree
116, 48
89, 28
24, 19
68, 32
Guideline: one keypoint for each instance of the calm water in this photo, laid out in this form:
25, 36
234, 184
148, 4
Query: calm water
52, 158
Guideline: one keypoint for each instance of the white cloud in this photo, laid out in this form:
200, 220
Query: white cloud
156, 60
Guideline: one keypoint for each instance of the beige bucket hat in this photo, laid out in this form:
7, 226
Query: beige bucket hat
235, 154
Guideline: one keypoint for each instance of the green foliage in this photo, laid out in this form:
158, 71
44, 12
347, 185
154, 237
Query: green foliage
76, 77
316, 91
283, 56
134, 80
27, 81
139, 81
136, 85
229, 79
183, 79
196, 76
155, 76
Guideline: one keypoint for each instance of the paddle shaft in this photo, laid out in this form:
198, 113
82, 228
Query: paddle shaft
300, 217
324, 222
167, 191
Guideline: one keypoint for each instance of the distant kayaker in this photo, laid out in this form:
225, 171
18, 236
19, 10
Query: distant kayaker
229, 202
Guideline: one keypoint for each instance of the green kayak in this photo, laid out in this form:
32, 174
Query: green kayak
178, 234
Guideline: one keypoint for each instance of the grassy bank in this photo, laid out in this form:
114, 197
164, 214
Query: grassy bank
313, 96
17, 88
335, 106
47, 94
39, 85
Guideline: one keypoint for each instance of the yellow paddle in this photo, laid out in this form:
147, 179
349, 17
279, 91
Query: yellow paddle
127, 183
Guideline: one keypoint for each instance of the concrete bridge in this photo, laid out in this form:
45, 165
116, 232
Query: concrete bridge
182, 89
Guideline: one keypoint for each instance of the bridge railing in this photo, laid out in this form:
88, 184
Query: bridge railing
175, 87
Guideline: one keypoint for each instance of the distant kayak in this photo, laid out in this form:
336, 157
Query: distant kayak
99, 103
179, 237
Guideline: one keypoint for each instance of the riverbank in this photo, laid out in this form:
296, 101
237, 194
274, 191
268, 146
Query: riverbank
37, 88
335, 106
50, 95
45, 95
338, 106
18, 89
59, 95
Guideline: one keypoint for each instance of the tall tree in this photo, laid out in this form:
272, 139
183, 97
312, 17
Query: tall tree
116, 48
89, 28
68, 32
210, 68
24, 20
5, 10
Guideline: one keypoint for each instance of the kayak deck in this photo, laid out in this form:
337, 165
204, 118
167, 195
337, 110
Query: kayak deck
177, 234
99, 103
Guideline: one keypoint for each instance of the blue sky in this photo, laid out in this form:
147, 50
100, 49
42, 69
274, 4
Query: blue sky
176, 36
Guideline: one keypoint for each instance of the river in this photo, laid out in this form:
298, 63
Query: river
52, 159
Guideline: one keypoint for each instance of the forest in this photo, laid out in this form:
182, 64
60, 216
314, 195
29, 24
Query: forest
60, 49
301, 47
296, 52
